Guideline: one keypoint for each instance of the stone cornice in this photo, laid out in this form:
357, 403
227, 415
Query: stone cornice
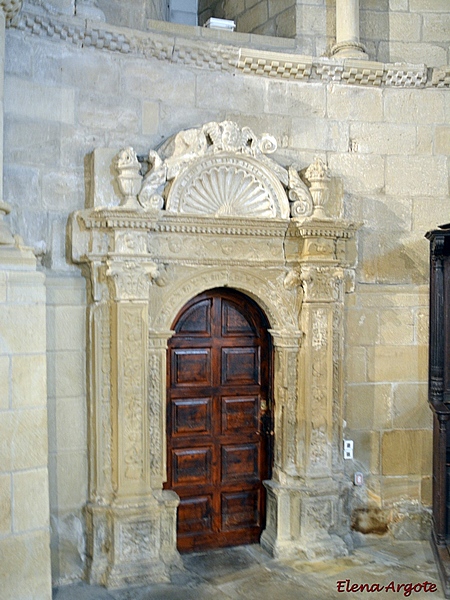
174, 45
173, 223
327, 229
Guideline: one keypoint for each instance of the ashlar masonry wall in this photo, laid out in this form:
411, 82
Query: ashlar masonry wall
387, 146
24, 487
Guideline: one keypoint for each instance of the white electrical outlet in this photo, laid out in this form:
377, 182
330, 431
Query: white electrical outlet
348, 449
359, 478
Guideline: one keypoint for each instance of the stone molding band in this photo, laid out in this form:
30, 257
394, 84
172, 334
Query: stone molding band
208, 55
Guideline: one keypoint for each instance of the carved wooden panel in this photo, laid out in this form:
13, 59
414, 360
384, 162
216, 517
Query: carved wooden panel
240, 462
191, 415
217, 450
195, 515
240, 509
240, 414
191, 465
240, 366
191, 367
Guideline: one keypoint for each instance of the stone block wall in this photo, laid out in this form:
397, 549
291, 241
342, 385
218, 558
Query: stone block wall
414, 31
68, 422
24, 504
387, 149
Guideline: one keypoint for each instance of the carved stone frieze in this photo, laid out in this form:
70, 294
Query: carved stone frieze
100, 425
302, 203
226, 186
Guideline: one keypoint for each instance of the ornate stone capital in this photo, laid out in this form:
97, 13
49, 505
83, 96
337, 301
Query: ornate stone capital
131, 278
11, 8
322, 284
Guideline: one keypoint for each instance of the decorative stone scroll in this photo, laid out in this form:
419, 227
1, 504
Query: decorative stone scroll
210, 209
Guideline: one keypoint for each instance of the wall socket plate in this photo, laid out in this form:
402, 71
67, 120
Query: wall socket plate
348, 449
358, 478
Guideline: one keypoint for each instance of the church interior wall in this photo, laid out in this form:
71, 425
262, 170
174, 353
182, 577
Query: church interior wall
387, 149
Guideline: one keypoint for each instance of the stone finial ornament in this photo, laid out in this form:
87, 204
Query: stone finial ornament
318, 176
129, 177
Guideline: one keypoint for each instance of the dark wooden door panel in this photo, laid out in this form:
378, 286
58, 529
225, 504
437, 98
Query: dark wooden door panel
240, 366
191, 415
191, 367
240, 509
234, 322
218, 388
196, 321
195, 515
240, 415
240, 462
192, 466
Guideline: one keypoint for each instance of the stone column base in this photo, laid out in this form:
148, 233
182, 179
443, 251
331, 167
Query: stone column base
303, 521
349, 49
133, 544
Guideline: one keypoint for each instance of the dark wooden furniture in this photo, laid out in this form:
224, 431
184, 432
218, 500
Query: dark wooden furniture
218, 450
439, 396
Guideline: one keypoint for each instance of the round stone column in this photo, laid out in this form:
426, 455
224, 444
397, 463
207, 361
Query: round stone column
348, 44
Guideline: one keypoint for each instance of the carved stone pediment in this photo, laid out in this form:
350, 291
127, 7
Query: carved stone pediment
220, 170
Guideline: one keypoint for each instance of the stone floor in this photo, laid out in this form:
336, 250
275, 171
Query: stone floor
248, 573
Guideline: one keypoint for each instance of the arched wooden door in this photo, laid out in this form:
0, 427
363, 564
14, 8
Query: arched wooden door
218, 421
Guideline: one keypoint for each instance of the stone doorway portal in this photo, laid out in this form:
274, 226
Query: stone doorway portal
218, 420
210, 210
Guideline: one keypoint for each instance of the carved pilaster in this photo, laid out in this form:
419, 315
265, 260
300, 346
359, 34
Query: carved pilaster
289, 445
321, 389
100, 422
129, 406
130, 520
157, 405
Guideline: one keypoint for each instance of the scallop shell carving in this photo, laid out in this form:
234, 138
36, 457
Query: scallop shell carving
224, 192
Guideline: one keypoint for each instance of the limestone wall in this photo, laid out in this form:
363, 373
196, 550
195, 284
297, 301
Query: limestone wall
387, 147
413, 31
24, 504
402, 31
